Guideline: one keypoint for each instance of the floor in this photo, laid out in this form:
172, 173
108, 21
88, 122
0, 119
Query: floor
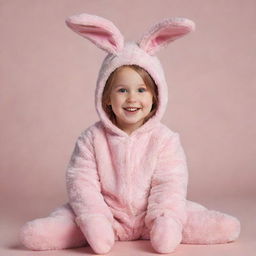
243, 208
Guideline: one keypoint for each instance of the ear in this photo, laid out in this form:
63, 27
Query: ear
98, 30
164, 32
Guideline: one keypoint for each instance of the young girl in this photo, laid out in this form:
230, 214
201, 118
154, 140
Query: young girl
127, 177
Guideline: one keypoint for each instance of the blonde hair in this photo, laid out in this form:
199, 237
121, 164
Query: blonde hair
149, 82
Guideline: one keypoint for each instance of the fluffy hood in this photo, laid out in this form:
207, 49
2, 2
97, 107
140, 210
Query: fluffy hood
106, 36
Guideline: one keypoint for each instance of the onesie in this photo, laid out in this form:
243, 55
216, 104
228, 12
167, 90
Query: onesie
121, 186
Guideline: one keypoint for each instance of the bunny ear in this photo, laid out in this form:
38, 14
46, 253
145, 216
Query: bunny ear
162, 33
98, 30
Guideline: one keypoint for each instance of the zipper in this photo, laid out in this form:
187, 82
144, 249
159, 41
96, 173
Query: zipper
129, 174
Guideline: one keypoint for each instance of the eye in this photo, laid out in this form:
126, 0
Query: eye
122, 90
142, 89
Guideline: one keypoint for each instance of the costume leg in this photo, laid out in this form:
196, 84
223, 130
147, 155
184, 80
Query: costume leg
57, 231
209, 227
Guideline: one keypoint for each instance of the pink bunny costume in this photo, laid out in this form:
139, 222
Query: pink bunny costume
128, 187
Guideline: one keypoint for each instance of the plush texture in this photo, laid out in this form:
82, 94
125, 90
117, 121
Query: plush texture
120, 189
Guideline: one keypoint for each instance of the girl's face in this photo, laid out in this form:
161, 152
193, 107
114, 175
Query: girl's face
130, 99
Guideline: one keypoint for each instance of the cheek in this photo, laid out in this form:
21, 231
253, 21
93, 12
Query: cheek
115, 100
148, 101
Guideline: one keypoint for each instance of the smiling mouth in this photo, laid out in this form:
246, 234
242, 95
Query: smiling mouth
132, 109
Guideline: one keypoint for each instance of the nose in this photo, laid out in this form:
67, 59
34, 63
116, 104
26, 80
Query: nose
131, 97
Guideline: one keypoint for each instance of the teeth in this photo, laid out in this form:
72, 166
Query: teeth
131, 109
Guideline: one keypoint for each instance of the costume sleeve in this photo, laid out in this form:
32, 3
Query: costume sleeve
83, 185
169, 184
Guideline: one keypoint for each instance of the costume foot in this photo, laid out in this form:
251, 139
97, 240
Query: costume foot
210, 227
51, 233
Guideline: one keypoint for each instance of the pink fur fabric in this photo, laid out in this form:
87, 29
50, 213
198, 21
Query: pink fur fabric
98, 30
128, 187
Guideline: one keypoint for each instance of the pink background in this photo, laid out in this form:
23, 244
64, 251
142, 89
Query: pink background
48, 75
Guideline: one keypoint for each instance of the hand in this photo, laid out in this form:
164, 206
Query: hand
98, 232
165, 234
